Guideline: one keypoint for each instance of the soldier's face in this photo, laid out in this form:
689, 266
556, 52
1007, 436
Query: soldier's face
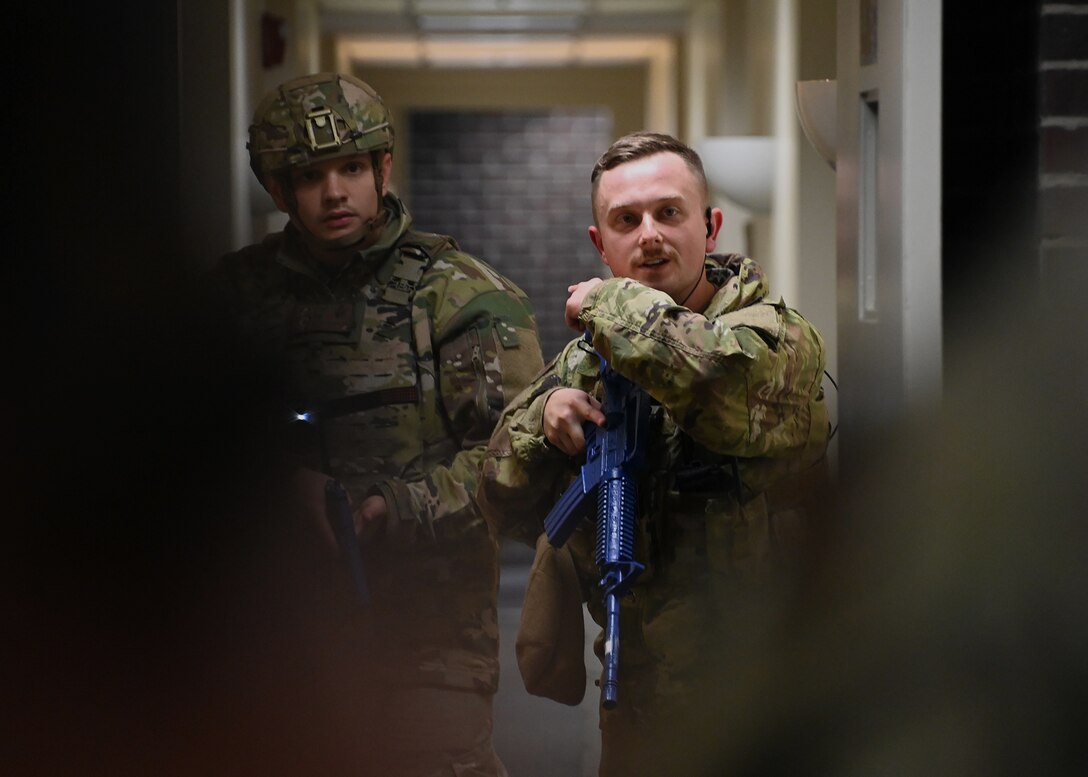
335, 198
652, 224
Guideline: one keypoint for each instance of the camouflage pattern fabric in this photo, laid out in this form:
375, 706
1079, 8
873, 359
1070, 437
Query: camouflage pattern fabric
741, 380
407, 356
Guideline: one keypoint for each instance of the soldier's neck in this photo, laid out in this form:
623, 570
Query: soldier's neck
331, 261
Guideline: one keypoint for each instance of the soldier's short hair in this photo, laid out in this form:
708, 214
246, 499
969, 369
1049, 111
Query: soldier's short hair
643, 144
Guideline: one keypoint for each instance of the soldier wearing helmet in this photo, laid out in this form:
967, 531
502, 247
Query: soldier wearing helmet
402, 352
312, 143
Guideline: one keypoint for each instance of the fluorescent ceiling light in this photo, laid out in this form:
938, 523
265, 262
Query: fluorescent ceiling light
641, 6
499, 6
503, 50
498, 23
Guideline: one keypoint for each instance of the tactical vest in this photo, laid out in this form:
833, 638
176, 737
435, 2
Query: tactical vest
368, 383
366, 375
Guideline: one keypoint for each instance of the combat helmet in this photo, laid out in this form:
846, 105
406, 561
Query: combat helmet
314, 118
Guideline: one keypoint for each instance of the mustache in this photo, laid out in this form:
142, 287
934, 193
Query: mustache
653, 255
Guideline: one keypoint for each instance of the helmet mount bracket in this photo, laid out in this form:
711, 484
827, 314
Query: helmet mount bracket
322, 130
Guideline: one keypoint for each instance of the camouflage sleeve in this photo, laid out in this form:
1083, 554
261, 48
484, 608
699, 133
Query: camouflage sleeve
522, 473
735, 383
484, 334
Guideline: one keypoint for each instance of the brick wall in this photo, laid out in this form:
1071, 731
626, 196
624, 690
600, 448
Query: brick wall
513, 189
1063, 147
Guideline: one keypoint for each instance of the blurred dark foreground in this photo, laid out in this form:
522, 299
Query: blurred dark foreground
941, 626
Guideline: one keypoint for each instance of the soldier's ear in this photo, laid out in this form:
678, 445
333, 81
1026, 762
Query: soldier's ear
387, 171
598, 242
714, 221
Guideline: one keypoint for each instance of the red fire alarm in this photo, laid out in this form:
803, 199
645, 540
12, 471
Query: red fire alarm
273, 44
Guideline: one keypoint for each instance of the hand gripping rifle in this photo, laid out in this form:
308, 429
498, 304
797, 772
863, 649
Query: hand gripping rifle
614, 457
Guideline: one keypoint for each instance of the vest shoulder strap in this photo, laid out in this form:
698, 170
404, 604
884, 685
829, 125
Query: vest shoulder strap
414, 255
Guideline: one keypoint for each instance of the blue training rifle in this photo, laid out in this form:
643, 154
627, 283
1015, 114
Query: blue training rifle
615, 455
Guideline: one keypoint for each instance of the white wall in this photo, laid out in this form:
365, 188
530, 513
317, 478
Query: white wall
889, 200
816, 261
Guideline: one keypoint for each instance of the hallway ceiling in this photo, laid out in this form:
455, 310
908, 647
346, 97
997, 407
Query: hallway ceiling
503, 18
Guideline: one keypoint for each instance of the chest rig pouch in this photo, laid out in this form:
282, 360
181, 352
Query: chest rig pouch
705, 516
359, 373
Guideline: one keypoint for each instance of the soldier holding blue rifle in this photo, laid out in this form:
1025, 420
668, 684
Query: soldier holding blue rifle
664, 517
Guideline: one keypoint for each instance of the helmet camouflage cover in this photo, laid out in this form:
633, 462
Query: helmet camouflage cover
316, 117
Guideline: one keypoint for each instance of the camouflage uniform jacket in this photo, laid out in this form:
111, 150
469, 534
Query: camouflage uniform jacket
739, 390
408, 356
